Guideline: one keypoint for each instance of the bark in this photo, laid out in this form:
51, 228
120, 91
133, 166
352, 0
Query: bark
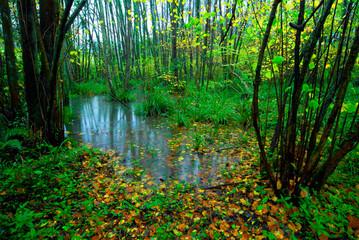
352, 139
105, 44
10, 55
128, 47
30, 63
257, 82
174, 23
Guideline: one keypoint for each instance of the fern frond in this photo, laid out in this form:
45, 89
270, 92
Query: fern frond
11, 144
14, 132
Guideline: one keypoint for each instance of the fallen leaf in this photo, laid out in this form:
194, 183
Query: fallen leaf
224, 226
245, 236
353, 222
181, 227
303, 193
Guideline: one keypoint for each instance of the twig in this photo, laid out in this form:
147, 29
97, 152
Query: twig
222, 185
112, 95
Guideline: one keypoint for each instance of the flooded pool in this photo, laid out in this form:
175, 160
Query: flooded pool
162, 151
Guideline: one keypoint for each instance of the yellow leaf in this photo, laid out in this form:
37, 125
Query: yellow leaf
279, 184
177, 232
181, 227
303, 193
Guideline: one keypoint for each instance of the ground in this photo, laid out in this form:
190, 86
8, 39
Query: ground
86, 193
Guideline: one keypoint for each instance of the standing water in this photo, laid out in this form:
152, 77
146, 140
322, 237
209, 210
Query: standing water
140, 141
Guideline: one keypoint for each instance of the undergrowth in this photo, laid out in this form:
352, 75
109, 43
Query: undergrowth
217, 106
90, 88
71, 191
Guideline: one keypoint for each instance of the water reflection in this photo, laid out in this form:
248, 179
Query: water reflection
145, 142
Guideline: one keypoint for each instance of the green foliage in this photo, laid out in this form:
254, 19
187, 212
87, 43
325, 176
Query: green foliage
68, 115
47, 183
123, 96
90, 88
324, 213
22, 225
157, 102
176, 85
219, 108
11, 142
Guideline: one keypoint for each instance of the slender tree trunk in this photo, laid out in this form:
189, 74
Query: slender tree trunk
257, 82
105, 44
30, 62
128, 46
174, 23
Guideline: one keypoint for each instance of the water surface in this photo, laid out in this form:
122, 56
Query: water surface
150, 143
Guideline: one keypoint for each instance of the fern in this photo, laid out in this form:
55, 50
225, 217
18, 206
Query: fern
14, 132
8, 138
11, 144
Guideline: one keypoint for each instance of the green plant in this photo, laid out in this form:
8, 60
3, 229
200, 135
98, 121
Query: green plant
90, 88
11, 140
157, 102
180, 118
22, 224
198, 141
68, 115
123, 96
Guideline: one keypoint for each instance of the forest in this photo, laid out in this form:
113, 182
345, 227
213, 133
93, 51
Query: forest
179, 119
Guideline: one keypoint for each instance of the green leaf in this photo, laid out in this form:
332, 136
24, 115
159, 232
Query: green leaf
314, 104
269, 75
352, 107
206, 15
306, 88
278, 59
178, 234
260, 207
311, 66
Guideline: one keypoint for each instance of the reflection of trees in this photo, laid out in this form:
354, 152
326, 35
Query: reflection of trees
110, 125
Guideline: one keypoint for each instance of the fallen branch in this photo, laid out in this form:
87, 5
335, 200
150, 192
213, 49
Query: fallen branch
222, 185
116, 98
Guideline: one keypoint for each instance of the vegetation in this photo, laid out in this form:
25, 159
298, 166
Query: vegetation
271, 85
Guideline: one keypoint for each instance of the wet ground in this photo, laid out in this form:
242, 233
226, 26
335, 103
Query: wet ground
144, 143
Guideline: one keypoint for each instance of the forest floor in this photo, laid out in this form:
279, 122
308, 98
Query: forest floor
80, 193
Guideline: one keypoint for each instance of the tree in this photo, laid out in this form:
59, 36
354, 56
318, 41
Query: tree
10, 58
44, 101
311, 136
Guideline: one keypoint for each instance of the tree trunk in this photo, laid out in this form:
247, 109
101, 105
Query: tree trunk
12, 77
30, 63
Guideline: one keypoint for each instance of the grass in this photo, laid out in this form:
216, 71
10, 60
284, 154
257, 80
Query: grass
90, 88
212, 106
157, 102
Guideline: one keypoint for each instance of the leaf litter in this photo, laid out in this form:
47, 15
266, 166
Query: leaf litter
110, 200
